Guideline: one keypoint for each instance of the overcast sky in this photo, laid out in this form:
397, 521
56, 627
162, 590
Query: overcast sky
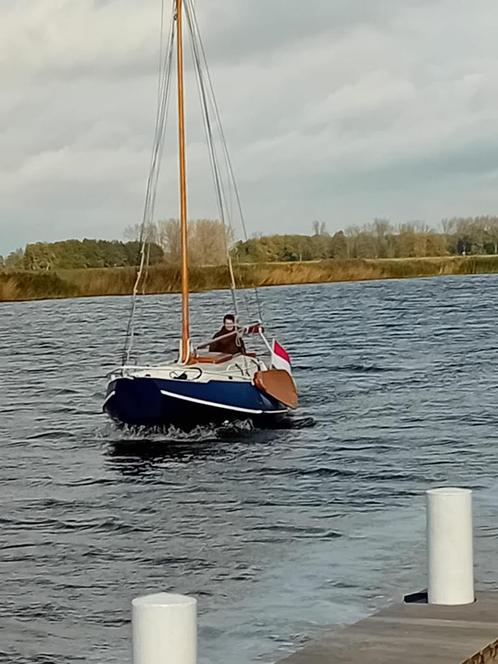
335, 110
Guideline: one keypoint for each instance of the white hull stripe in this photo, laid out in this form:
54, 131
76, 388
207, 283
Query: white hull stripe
219, 405
108, 397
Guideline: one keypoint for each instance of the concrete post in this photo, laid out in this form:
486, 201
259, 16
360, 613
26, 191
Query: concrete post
450, 546
164, 629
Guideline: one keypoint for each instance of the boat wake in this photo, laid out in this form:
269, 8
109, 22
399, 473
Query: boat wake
114, 434
152, 441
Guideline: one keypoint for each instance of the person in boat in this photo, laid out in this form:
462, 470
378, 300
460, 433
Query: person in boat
231, 343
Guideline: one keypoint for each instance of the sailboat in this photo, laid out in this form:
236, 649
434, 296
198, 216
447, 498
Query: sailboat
198, 387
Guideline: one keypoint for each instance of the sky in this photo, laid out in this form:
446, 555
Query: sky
334, 110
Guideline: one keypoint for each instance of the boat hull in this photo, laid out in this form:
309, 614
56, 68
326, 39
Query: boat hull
155, 402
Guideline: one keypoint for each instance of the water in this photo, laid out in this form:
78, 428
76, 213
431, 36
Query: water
279, 534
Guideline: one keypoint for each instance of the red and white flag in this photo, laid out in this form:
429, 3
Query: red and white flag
280, 358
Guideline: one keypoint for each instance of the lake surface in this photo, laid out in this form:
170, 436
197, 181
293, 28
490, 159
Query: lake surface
277, 533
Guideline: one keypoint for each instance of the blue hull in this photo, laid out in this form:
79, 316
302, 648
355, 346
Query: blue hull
153, 402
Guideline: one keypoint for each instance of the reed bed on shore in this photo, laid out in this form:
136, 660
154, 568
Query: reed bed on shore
15, 286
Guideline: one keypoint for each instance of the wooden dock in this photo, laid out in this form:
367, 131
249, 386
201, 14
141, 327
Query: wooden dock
413, 633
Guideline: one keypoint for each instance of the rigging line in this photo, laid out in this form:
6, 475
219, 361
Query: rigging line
223, 140
155, 161
208, 98
164, 119
211, 148
223, 198
218, 118
151, 188
161, 85
165, 76
158, 151
151, 181
161, 50
223, 195
146, 274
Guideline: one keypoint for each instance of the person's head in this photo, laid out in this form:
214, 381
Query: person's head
229, 322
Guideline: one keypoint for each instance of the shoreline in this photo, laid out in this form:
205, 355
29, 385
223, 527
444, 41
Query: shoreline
162, 279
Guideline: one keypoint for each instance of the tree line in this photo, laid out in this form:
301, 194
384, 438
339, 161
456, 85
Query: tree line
379, 239
209, 242
208, 245
73, 254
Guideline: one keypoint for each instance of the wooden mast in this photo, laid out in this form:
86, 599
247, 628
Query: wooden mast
185, 344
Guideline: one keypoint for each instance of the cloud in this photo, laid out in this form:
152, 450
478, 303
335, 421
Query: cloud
337, 110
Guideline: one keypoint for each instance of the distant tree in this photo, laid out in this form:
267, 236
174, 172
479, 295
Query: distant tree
448, 226
361, 242
71, 254
14, 261
133, 253
209, 243
339, 246
169, 239
254, 250
39, 256
405, 241
382, 235
493, 235
436, 245
471, 235
319, 228
134, 233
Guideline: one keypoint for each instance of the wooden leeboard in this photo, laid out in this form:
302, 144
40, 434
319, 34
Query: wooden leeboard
413, 634
279, 384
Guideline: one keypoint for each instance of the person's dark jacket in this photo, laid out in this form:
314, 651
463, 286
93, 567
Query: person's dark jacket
230, 345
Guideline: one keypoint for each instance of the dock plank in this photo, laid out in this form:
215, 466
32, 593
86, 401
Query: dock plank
412, 634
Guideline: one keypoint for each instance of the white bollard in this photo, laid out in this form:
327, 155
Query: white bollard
450, 546
164, 629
